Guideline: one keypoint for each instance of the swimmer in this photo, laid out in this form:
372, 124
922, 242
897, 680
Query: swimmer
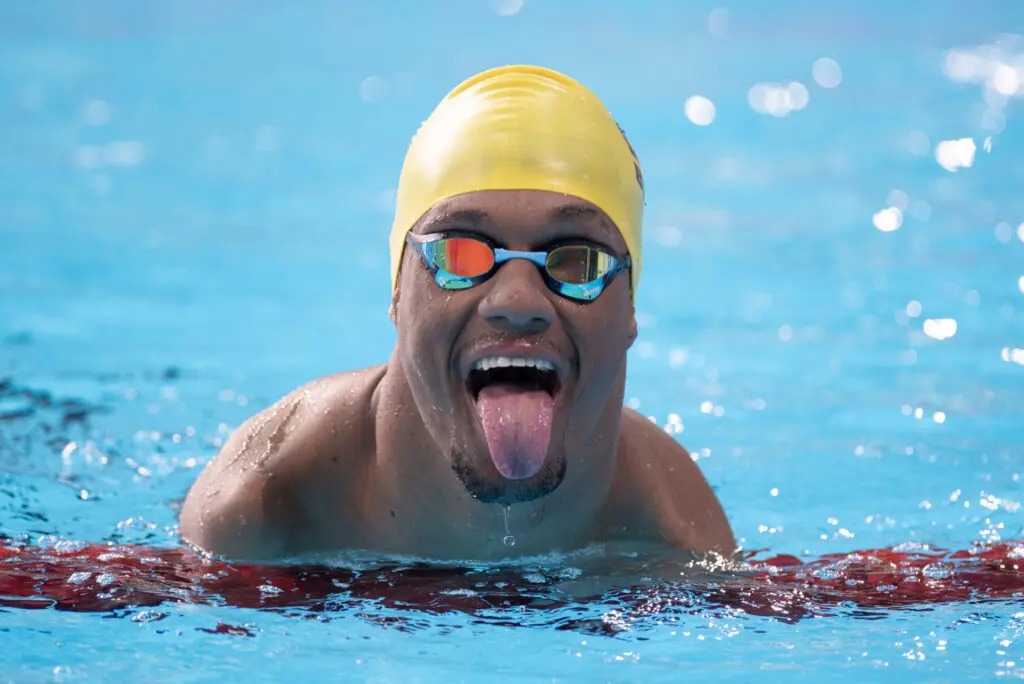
515, 258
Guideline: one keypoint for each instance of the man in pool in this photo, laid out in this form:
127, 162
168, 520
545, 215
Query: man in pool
515, 256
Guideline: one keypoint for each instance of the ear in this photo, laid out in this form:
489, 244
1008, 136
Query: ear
632, 333
393, 309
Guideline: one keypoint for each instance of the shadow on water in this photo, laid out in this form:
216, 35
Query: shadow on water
28, 414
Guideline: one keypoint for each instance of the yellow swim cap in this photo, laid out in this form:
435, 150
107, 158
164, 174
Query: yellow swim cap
521, 128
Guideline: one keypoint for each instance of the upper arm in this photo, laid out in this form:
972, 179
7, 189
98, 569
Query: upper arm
239, 506
284, 471
685, 510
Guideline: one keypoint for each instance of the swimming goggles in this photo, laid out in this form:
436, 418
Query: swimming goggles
576, 271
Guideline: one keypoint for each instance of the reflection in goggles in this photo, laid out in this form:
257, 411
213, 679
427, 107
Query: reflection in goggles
579, 264
463, 257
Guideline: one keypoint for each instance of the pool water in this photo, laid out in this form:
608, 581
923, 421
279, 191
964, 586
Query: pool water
194, 202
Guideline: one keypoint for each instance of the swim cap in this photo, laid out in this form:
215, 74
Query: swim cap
521, 128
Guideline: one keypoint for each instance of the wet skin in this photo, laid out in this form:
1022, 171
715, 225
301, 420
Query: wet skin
394, 458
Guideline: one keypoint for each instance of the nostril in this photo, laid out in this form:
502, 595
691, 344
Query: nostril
520, 321
517, 300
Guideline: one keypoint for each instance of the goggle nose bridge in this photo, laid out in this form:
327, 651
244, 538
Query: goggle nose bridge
502, 255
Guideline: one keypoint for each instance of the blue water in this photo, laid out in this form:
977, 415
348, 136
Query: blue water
194, 202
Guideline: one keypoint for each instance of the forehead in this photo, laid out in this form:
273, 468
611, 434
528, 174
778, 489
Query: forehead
530, 217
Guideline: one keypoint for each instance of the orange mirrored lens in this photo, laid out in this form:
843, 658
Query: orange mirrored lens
579, 264
463, 257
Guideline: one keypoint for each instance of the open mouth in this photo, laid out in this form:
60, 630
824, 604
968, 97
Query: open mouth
515, 399
517, 374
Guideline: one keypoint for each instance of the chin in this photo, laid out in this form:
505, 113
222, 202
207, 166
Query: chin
490, 487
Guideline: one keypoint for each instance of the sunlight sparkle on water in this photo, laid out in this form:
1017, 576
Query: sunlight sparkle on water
954, 154
506, 8
939, 328
827, 72
116, 153
777, 99
96, 113
898, 198
718, 22
670, 236
888, 220
917, 143
678, 357
920, 210
997, 66
373, 89
700, 110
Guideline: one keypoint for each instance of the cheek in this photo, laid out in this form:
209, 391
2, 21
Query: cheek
415, 299
426, 326
608, 325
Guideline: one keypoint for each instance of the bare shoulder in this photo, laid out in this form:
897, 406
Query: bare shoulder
662, 480
281, 467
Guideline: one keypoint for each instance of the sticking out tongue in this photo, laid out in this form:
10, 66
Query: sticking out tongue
517, 424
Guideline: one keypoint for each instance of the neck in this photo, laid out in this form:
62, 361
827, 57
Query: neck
418, 505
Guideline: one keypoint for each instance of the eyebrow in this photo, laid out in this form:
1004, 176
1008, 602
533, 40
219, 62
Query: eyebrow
573, 212
470, 217
581, 213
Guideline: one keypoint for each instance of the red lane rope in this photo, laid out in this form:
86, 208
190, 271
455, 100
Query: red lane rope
107, 578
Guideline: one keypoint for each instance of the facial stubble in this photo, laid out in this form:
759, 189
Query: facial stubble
506, 491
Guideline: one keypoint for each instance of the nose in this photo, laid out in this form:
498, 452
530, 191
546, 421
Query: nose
517, 299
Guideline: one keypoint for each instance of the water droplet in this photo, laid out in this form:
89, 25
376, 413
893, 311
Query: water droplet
937, 571
508, 540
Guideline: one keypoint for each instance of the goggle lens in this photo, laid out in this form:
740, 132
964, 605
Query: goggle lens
579, 264
460, 257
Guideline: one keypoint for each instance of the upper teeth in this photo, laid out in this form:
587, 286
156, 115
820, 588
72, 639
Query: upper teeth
510, 362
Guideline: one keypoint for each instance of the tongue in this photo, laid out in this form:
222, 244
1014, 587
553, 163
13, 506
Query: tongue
517, 424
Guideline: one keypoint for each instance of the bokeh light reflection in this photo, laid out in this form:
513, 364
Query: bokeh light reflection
506, 8
939, 328
956, 154
700, 110
888, 219
718, 23
373, 89
827, 72
777, 99
1012, 355
96, 113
